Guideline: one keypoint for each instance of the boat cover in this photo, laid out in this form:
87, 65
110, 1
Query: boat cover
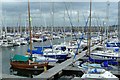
35, 51
20, 58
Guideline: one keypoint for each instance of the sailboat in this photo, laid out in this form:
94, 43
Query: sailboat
38, 54
23, 62
6, 40
6, 43
110, 47
55, 52
95, 72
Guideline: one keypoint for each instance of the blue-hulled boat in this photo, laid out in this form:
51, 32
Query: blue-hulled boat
113, 44
47, 51
39, 55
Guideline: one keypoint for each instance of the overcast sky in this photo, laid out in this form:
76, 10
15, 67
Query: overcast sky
15, 13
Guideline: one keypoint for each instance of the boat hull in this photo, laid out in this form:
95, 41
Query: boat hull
22, 65
59, 57
107, 56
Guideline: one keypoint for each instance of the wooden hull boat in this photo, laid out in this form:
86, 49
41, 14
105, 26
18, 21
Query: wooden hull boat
26, 65
23, 62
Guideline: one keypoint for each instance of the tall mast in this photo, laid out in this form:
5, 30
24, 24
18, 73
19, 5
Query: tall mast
25, 30
20, 31
89, 31
78, 20
64, 26
6, 31
72, 29
29, 23
107, 17
13, 26
52, 15
52, 23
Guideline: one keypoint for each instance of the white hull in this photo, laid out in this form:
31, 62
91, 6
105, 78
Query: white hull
106, 54
24, 42
40, 58
37, 39
98, 74
7, 45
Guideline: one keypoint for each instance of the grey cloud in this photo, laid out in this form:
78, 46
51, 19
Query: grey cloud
13, 9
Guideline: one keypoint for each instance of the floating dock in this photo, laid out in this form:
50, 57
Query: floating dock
57, 70
5, 76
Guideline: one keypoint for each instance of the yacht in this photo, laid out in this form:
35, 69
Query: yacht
106, 53
55, 51
7, 43
97, 73
37, 39
17, 42
40, 57
23, 41
57, 54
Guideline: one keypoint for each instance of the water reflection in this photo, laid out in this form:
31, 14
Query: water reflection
25, 73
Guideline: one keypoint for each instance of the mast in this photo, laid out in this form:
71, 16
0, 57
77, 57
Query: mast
29, 23
107, 20
52, 15
41, 23
89, 31
20, 31
14, 27
78, 21
25, 30
101, 32
72, 29
64, 25
6, 29
108, 34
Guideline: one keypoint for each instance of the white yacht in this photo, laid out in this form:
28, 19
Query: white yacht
7, 43
23, 41
40, 58
106, 53
17, 42
37, 39
97, 73
56, 37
